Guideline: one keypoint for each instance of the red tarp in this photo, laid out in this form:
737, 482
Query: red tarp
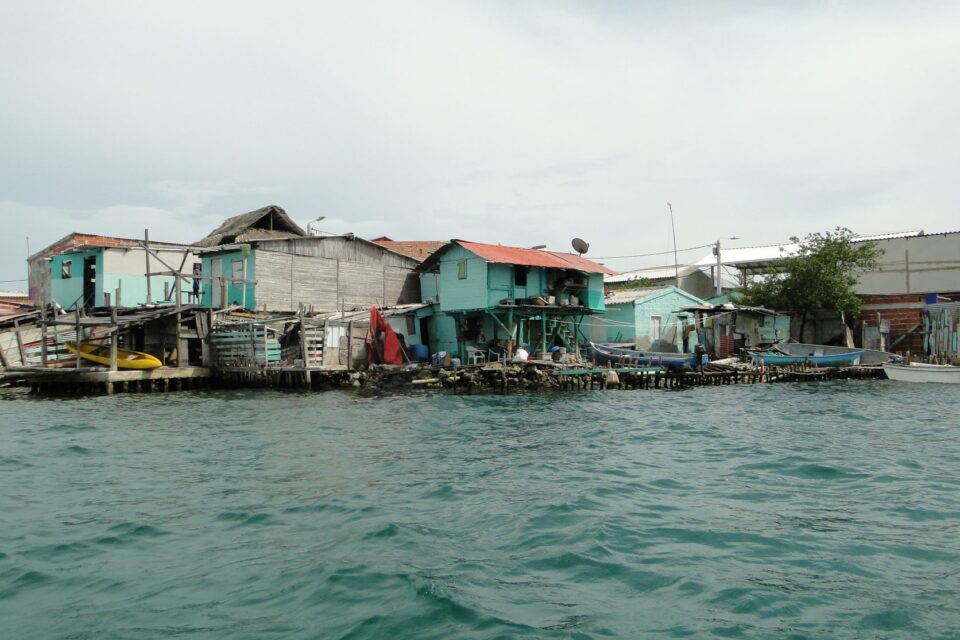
390, 348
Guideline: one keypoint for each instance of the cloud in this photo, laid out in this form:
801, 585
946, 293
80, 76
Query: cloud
494, 121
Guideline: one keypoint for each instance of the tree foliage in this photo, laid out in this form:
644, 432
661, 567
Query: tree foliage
820, 276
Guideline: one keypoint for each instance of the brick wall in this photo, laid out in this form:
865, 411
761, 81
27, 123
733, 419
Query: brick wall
901, 319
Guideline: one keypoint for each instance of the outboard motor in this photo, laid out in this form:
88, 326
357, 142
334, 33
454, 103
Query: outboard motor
701, 353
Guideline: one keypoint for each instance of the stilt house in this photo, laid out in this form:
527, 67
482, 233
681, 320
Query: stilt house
263, 260
491, 298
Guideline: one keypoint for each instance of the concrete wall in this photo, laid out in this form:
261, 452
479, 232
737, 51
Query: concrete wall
124, 269
68, 292
633, 321
923, 264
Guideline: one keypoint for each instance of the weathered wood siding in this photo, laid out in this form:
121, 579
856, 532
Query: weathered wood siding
314, 281
274, 282
339, 248
330, 273
401, 284
361, 284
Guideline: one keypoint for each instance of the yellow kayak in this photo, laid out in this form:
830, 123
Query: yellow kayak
125, 359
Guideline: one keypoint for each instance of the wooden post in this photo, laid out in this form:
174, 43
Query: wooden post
114, 338
43, 336
303, 339
79, 336
23, 353
350, 346
266, 353
176, 285
253, 345
181, 341
146, 255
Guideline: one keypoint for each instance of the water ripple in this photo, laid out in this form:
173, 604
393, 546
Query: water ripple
821, 510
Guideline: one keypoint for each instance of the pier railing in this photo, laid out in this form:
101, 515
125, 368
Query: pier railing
244, 345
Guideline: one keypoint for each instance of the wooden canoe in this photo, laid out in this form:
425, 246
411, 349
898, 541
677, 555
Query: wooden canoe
125, 359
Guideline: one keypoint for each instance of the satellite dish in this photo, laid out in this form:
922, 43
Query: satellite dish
580, 246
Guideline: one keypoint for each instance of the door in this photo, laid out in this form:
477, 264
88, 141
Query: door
90, 282
216, 283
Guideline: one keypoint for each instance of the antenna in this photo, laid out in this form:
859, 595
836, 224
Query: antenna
580, 246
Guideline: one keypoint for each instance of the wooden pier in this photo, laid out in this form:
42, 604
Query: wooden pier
491, 377
99, 381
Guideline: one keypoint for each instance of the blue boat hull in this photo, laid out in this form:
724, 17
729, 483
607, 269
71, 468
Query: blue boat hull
629, 358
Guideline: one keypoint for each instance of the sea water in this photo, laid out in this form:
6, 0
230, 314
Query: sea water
820, 510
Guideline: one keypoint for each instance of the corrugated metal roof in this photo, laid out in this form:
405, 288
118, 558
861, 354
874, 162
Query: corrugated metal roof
532, 257
747, 256
78, 240
891, 236
651, 273
631, 295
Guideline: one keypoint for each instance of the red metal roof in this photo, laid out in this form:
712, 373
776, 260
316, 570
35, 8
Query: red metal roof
533, 257
78, 240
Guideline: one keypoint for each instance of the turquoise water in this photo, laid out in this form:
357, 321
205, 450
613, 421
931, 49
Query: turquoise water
791, 511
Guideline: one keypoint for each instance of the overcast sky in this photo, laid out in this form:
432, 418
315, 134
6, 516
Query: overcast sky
522, 123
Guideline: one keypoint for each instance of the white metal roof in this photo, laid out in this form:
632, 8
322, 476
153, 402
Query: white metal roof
769, 253
650, 273
631, 295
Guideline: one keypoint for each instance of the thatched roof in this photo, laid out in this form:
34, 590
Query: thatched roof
268, 223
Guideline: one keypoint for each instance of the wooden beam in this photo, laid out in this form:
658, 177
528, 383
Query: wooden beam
146, 257
23, 353
78, 337
114, 339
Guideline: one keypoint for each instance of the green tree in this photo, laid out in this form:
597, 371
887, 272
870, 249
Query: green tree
821, 275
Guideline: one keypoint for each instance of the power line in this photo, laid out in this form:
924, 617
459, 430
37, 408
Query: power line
21, 280
647, 255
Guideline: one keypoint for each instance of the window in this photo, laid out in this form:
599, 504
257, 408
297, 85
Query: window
654, 327
519, 276
237, 270
462, 269
65, 270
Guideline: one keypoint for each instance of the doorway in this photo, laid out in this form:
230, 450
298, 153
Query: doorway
89, 282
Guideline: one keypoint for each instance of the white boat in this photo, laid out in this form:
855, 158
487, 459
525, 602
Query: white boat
919, 372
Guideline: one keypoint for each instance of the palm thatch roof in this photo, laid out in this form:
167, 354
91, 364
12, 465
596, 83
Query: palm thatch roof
268, 223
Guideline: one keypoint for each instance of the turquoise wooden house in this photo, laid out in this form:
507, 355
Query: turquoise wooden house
262, 260
491, 297
90, 271
651, 319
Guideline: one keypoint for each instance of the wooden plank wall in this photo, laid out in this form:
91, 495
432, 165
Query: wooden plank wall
314, 282
339, 248
285, 281
361, 284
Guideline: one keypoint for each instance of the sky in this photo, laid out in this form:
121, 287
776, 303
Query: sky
520, 123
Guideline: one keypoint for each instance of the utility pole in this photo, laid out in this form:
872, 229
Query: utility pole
716, 252
676, 268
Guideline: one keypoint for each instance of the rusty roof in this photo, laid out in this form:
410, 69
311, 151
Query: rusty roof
519, 255
75, 240
418, 249
533, 257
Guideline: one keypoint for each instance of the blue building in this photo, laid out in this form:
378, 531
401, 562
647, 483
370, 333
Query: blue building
491, 297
